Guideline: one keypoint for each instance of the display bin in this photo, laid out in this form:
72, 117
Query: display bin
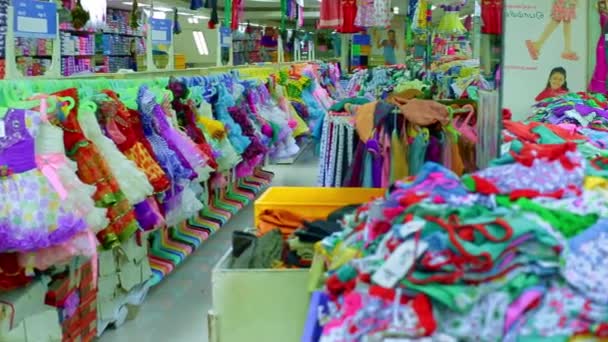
312, 203
268, 305
271, 305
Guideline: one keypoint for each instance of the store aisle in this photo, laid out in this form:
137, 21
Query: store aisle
176, 310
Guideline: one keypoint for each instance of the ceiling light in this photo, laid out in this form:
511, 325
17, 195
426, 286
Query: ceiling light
131, 4
159, 15
97, 11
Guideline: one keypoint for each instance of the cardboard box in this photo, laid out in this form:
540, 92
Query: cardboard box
17, 305
41, 327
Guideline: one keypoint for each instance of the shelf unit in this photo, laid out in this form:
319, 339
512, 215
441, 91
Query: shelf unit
3, 27
103, 51
77, 50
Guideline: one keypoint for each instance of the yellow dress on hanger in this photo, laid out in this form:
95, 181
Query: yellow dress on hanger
450, 24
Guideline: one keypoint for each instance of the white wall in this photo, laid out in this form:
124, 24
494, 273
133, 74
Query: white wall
184, 42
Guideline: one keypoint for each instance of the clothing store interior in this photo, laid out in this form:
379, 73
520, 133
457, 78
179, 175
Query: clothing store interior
303, 170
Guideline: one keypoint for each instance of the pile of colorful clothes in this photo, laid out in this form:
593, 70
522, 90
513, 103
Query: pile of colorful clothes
514, 252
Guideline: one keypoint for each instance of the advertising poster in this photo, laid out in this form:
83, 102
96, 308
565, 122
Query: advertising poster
545, 47
388, 44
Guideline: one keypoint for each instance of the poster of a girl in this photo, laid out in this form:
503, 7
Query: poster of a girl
562, 12
556, 85
389, 47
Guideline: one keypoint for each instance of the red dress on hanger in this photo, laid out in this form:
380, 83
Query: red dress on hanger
237, 11
349, 14
330, 15
491, 17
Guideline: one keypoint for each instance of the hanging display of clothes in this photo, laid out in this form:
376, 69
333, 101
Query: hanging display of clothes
349, 14
175, 158
237, 8
330, 15
374, 13
491, 17
450, 23
598, 79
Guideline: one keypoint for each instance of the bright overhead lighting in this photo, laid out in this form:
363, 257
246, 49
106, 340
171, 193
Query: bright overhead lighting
160, 9
185, 14
201, 43
131, 4
201, 17
159, 15
433, 7
97, 10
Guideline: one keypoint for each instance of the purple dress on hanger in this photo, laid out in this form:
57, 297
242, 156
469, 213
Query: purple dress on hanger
598, 81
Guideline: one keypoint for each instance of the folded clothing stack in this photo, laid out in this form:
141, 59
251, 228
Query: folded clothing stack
283, 239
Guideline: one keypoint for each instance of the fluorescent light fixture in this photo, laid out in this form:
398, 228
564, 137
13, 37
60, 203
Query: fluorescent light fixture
160, 9
201, 43
97, 10
159, 15
131, 4
201, 17
395, 10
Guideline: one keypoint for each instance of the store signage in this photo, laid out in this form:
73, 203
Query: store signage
549, 59
225, 37
161, 31
34, 19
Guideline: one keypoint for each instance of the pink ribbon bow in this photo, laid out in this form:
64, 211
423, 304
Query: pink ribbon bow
48, 165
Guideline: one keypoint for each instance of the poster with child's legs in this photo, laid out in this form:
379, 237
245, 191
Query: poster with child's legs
544, 51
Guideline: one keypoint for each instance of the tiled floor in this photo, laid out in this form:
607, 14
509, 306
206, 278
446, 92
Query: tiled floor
176, 309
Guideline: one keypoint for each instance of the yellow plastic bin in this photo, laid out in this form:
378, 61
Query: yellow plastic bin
312, 203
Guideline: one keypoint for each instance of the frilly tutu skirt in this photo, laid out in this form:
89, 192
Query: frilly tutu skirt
32, 214
450, 24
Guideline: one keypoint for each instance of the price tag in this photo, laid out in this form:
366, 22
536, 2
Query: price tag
410, 228
399, 263
226, 37
505, 148
35, 19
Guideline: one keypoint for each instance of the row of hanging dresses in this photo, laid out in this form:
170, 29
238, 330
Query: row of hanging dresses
341, 15
95, 168
294, 11
337, 148
375, 146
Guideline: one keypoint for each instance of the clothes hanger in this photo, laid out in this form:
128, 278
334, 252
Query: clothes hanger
463, 126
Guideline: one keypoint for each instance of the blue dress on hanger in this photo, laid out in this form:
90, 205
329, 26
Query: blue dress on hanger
196, 4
